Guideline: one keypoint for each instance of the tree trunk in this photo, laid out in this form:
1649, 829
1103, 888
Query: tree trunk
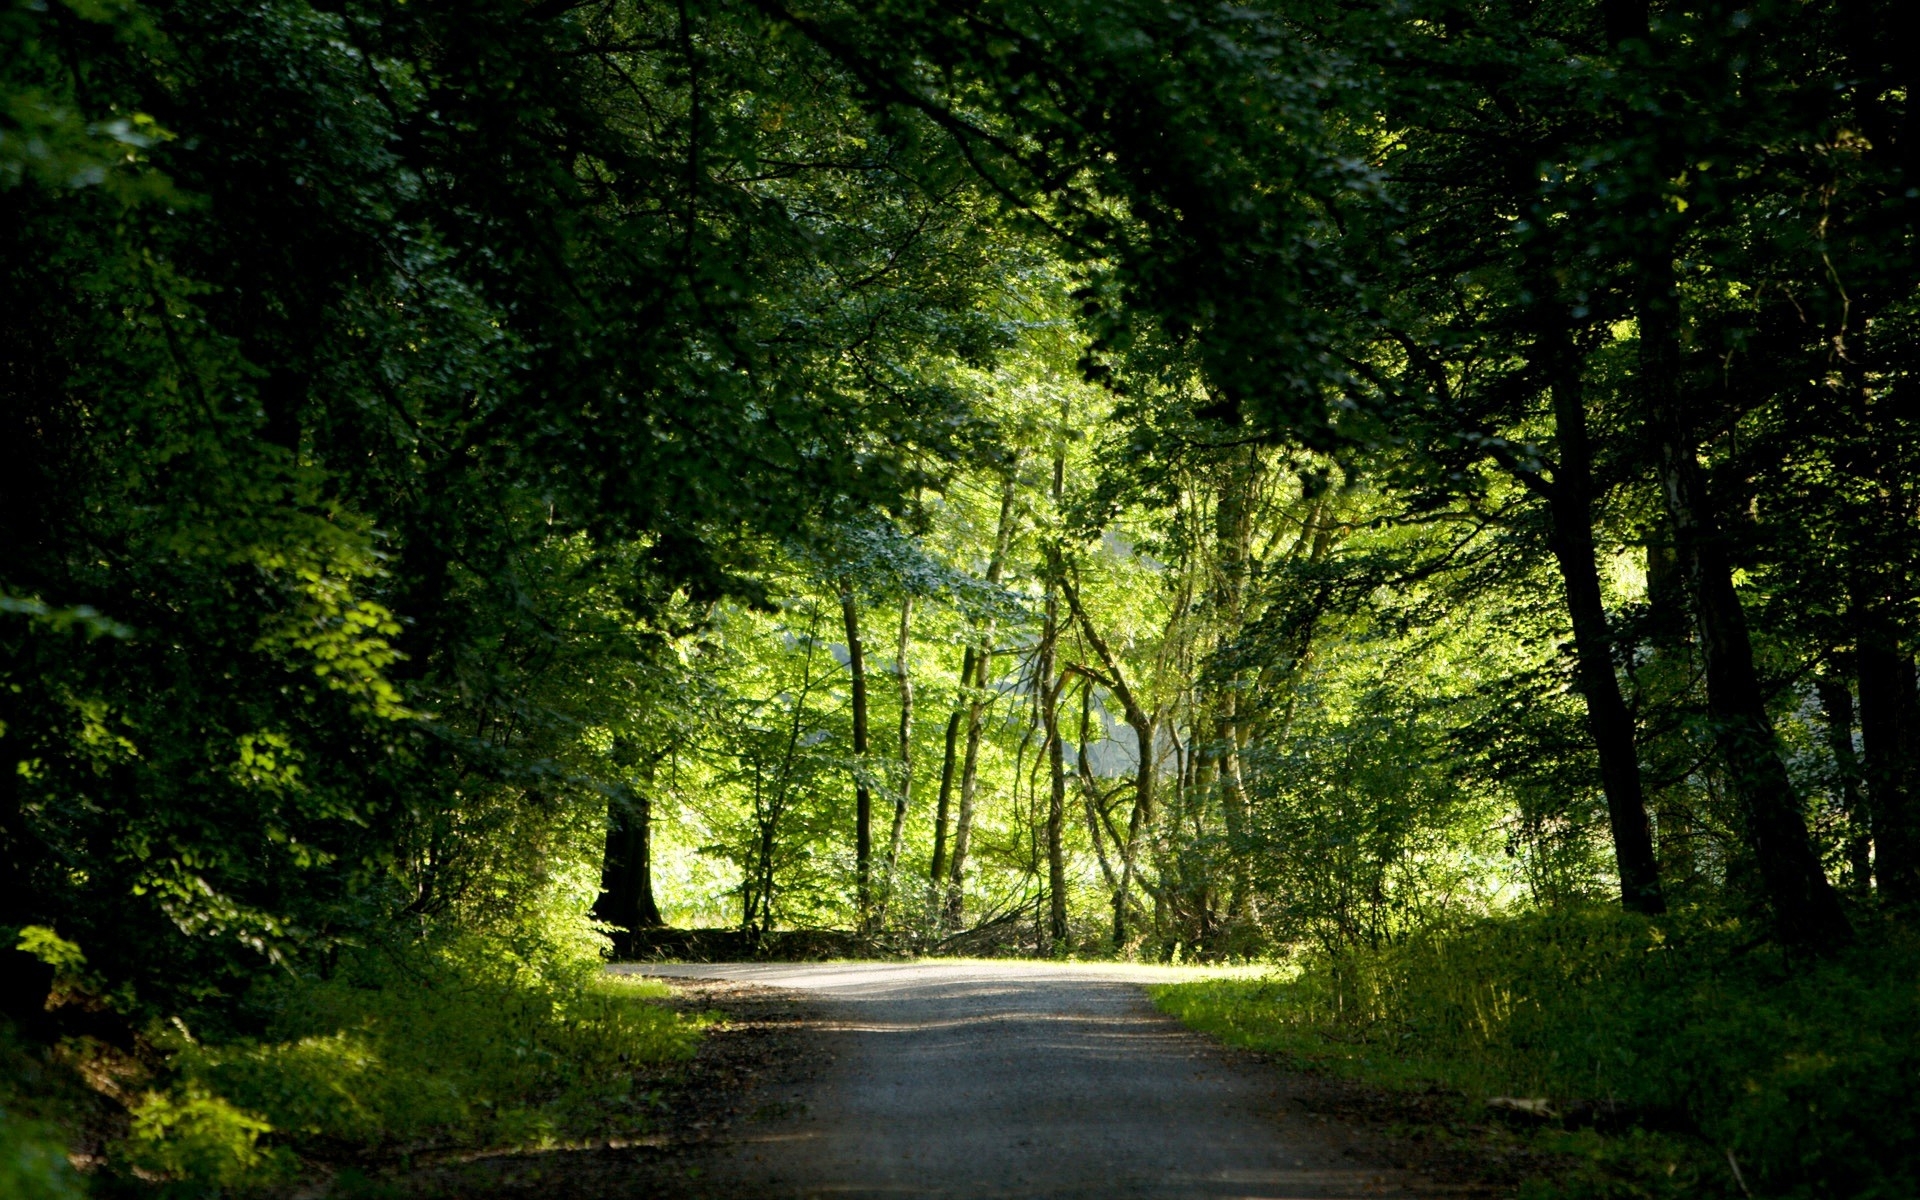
862, 790
1836, 703
1889, 726
1050, 689
943, 808
1090, 788
969, 782
1571, 505
1056, 773
1143, 780
626, 869
903, 673
969, 771
1233, 534
1806, 911
25, 981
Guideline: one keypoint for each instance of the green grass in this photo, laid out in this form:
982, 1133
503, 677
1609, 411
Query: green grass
386, 1061
1802, 1074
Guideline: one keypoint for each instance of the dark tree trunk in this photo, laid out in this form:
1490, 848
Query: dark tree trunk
626, 870
1806, 910
1050, 689
1570, 501
862, 790
1090, 787
943, 807
1836, 703
1889, 728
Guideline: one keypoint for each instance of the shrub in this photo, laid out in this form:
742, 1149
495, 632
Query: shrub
199, 1143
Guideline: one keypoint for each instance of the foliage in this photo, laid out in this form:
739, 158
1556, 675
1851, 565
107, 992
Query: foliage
1105, 476
1798, 1072
33, 1161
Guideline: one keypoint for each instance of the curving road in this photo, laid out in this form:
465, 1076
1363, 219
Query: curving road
977, 1079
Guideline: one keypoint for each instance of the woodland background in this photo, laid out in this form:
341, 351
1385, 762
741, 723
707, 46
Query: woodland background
1417, 491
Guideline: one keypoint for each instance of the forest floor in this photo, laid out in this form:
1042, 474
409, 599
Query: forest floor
988, 1079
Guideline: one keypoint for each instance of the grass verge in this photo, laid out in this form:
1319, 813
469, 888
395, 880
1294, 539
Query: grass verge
1678, 1056
387, 1061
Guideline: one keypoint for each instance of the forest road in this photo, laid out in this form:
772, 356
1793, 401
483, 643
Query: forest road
977, 1079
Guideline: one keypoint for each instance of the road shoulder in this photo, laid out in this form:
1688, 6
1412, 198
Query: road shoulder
766, 1043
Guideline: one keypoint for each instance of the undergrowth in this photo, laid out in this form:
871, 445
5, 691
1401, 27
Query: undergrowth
390, 1056
1738, 1070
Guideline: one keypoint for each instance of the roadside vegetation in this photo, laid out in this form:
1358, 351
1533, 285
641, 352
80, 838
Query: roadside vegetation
393, 1058
1669, 1056
1422, 491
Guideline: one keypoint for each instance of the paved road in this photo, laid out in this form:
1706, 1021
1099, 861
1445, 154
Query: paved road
976, 1080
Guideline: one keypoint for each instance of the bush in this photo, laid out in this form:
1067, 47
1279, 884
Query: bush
1801, 1073
200, 1143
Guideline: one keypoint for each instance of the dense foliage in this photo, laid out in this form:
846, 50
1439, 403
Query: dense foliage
1099, 476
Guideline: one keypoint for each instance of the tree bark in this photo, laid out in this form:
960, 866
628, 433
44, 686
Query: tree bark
1050, 689
943, 808
1233, 534
862, 790
969, 782
626, 868
1806, 911
903, 673
25, 981
1570, 502
1056, 772
1836, 704
1090, 788
1889, 727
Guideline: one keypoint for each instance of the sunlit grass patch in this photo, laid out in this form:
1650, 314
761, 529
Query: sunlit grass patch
380, 1063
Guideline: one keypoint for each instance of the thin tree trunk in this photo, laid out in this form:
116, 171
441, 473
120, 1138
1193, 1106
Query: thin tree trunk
25, 981
969, 782
942, 810
1050, 711
1836, 703
903, 672
1806, 911
862, 790
1611, 724
1056, 774
1090, 788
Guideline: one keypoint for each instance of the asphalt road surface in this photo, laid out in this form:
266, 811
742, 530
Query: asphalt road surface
978, 1080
